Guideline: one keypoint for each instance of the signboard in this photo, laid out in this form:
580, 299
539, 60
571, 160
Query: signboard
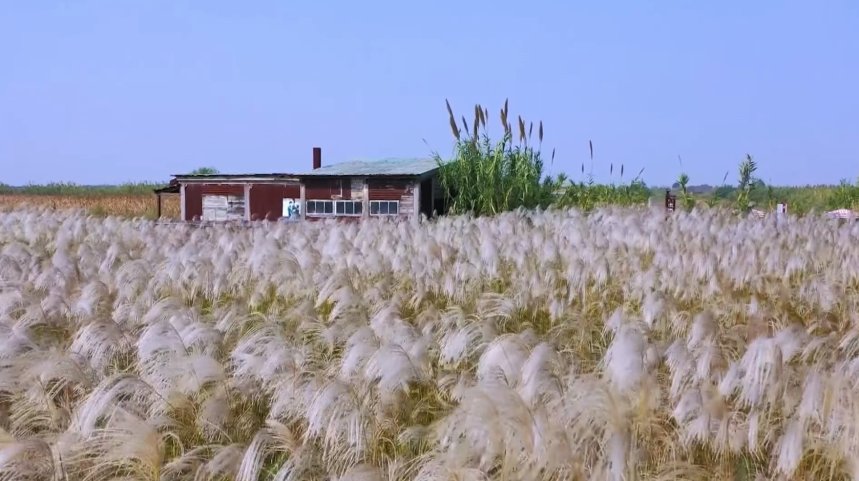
223, 207
291, 208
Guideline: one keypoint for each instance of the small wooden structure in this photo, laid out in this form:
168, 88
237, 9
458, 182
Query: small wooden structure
670, 201
172, 188
348, 191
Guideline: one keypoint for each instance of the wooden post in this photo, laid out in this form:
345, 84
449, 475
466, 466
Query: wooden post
365, 199
158, 196
247, 194
302, 202
416, 203
182, 209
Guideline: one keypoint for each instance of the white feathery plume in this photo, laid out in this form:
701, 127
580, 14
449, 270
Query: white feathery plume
11, 300
681, 364
335, 416
126, 391
101, 342
502, 360
761, 366
362, 344
213, 415
262, 354
224, 464
362, 472
624, 359
25, 460
129, 443
186, 464
252, 460
446, 470
392, 368
492, 424
790, 448
652, 308
538, 378
811, 405
13, 342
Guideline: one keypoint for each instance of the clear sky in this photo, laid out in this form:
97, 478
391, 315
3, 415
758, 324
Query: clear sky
113, 91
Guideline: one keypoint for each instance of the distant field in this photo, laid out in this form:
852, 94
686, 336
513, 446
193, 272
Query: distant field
125, 205
138, 200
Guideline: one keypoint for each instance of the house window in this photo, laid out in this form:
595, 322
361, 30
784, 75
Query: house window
320, 207
348, 207
335, 207
384, 207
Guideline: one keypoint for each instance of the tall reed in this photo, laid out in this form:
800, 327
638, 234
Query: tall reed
486, 177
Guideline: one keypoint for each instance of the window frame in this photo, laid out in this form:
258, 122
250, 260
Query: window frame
315, 203
389, 203
357, 204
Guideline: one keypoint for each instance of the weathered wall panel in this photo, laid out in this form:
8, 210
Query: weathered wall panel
344, 189
356, 186
223, 189
193, 202
407, 205
388, 189
324, 189
267, 201
224, 207
292, 191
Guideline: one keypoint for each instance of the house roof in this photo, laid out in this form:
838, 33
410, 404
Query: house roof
232, 177
171, 188
384, 167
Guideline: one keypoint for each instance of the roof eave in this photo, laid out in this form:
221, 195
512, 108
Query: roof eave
235, 177
414, 175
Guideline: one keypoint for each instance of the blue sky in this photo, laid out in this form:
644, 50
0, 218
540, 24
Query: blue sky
113, 91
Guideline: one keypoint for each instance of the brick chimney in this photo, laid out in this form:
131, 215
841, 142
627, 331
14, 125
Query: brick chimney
317, 157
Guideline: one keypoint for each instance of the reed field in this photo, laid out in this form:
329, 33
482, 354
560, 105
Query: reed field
122, 205
619, 344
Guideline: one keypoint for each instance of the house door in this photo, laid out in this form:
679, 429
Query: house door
426, 200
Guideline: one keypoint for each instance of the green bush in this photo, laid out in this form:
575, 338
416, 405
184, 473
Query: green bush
486, 177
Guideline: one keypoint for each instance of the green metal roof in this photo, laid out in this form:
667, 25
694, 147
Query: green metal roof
384, 167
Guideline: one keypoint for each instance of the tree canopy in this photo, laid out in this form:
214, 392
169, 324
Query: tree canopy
205, 171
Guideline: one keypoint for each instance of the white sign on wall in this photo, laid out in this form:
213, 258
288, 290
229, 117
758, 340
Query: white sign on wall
291, 208
223, 207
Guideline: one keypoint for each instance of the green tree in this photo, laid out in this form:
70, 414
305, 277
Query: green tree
205, 171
